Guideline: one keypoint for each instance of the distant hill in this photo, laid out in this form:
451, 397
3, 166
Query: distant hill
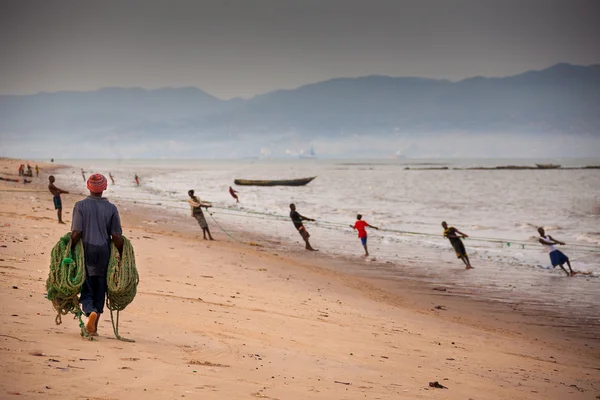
104, 108
564, 98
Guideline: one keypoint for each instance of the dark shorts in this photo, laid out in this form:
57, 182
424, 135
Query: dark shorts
558, 258
459, 248
363, 240
57, 203
201, 220
303, 232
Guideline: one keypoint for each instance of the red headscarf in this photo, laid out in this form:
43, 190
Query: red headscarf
97, 183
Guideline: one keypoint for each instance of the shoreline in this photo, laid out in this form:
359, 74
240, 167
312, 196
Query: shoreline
277, 289
515, 313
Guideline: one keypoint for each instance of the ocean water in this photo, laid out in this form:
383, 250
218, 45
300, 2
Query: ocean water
499, 209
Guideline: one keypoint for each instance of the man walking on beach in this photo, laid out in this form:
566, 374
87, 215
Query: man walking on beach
297, 220
96, 222
137, 180
37, 171
454, 236
233, 194
112, 178
556, 256
361, 226
197, 213
56, 192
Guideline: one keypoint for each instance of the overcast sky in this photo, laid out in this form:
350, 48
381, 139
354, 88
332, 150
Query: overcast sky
242, 48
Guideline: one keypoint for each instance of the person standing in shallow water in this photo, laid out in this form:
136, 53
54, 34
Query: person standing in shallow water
361, 227
233, 194
96, 222
557, 257
297, 221
454, 236
196, 204
56, 192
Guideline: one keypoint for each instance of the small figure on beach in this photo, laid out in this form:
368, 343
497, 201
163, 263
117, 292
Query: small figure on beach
197, 213
112, 178
361, 226
56, 192
137, 180
233, 194
37, 171
21, 169
29, 170
557, 257
97, 223
454, 236
297, 220
83, 174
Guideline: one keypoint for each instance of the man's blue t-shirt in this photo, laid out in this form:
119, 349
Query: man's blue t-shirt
97, 219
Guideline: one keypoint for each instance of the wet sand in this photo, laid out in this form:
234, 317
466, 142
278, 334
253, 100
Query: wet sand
228, 320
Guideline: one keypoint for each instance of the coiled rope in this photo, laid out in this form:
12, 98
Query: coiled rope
122, 279
67, 276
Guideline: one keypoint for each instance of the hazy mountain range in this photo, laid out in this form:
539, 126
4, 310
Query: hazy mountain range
561, 100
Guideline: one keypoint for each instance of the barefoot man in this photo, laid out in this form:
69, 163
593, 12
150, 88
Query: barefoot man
233, 194
361, 227
297, 220
454, 236
197, 213
556, 256
57, 201
96, 222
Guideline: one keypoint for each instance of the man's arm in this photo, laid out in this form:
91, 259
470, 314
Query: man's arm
116, 232
302, 217
75, 237
76, 225
371, 226
193, 203
118, 241
460, 233
555, 241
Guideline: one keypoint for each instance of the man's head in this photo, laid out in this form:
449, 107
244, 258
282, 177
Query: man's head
51, 178
358, 217
97, 183
293, 207
541, 231
191, 192
444, 225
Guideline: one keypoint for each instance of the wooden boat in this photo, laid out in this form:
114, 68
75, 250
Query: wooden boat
548, 166
284, 182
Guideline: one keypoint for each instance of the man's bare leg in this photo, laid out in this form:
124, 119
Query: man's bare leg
366, 250
566, 272
569, 264
308, 246
59, 214
468, 262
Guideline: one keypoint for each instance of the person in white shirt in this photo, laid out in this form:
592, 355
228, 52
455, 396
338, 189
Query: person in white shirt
196, 204
556, 256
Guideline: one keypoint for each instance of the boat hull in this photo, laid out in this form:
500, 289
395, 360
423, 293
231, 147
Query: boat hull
283, 182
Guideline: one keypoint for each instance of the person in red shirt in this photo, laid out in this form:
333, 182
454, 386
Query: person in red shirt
361, 226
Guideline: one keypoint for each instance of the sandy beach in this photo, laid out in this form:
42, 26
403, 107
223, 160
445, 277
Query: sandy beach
228, 320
